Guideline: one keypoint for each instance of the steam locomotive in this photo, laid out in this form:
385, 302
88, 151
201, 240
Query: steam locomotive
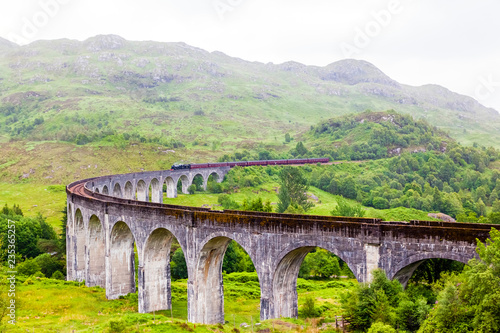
250, 163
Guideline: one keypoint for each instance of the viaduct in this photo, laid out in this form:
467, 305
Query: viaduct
108, 215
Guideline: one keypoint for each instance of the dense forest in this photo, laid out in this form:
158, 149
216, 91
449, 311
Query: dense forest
428, 171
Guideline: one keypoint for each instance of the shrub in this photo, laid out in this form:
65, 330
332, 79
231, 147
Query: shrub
57, 275
28, 267
309, 309
379, 327
380, 203
344, 208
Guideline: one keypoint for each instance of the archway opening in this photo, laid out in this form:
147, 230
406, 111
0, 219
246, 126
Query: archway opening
197, 185
142, 193
96, 190
97, 252
105, 190
427, 271
214, 183
226, 283
129, 191
117, 191
122, 260
309, 272
80, 236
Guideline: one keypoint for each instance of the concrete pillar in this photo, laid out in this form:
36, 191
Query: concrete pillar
79, 248
129, 192
156, 191
120, 263
154, 273
96, 250
205, 288
284, 286
142, 191
171, 188
266, 292
70, 255
372, 254
185, 184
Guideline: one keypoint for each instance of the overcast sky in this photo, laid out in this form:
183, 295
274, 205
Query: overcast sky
452, 43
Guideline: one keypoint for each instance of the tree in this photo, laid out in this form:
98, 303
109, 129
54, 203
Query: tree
309, 309
48, 264
481, 207
301, 150
293, 187
348, 187
287, 137
380, 203
380, 327
469, 302
28, 267
192, 189
344, 208
64, 223
178, 267
226, 201
372, 302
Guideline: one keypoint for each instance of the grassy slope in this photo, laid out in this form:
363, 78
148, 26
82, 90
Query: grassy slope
83, 84
51, 305
325, 204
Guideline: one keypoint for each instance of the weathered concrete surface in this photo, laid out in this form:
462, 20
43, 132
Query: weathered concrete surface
276, 243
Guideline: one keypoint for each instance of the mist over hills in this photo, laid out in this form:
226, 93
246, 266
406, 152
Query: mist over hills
56, 90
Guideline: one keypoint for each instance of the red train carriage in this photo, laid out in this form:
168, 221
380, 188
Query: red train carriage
252, 163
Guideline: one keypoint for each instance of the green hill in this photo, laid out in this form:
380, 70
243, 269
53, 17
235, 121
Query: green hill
372, 135
172, 93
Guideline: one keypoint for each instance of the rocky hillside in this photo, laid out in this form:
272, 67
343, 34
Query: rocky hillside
106, 85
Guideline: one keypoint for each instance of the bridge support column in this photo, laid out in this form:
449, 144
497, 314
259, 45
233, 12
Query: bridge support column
205, 286
171, 188
266, 296
372, 254
70, 256
285, 283
120, 262
154, 273
79, 248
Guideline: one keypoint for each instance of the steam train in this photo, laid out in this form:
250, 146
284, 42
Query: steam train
250, 163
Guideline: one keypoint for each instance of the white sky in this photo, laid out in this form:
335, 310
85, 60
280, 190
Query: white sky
452, 43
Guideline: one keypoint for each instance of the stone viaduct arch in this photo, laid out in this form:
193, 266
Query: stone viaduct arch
109, 226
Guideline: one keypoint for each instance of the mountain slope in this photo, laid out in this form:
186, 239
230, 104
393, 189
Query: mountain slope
63, 89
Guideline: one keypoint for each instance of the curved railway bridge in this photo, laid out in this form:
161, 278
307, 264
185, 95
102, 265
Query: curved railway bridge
108, 216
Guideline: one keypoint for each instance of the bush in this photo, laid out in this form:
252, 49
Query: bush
48, 264
379, 327
309, 309
192, 189
344, 208
57, 275
380, 203
117, 326
28, 267
226, 202
178, 266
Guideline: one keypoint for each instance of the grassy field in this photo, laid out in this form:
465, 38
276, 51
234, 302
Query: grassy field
48, 200
63, 306
324, 204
